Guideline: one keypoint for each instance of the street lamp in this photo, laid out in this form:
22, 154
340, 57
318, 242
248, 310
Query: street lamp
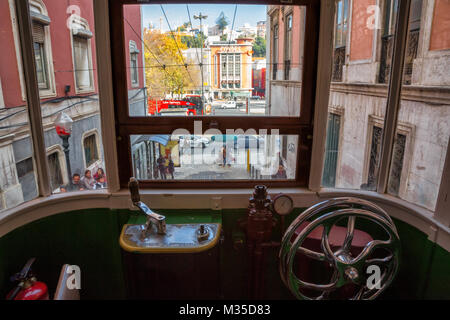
63, 127
201, 17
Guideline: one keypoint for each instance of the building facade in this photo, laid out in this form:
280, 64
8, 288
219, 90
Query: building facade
362, 57
65, 59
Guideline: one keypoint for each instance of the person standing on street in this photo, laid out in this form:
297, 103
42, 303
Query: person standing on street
171, 167
161, 167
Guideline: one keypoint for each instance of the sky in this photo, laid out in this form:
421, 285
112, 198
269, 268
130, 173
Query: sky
177, 14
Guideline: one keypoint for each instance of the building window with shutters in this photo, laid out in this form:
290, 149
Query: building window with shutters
42, 49
82, 55
340, 39
134, 65
54, 166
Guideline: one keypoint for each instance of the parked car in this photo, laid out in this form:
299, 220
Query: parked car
192, 141
229, 105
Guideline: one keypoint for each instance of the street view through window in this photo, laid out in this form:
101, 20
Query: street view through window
214, 60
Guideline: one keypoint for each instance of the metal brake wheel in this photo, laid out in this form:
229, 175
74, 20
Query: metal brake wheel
346, 267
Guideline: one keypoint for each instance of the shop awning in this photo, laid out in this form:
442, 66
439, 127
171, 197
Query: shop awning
159, 138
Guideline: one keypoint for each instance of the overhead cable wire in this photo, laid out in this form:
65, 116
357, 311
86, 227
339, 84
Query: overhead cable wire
232, 25
190, 21
176, 42
156, 58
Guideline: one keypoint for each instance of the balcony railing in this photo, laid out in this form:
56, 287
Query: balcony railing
338, 63
387, 43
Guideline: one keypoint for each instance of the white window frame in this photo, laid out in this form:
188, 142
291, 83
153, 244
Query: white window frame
340, 111
85, 135
84, 26
50, 72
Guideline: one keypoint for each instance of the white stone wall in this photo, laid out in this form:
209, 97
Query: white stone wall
432, 70
285, 98
360, 72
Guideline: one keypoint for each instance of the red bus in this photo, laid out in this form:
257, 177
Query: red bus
173, 108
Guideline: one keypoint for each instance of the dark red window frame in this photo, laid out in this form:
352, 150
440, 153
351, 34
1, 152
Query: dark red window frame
301, 126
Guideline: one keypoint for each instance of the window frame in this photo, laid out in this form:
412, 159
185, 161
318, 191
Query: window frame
389, 18
134, 53
85, 25
44, 20
301, 126
62, 162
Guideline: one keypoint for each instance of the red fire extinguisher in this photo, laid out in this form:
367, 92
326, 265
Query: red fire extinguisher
27, 287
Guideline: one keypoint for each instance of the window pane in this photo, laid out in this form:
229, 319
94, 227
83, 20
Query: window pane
222, 57
357, 103
18, 181
72, 147
40, 65
423, 127
214, 157
81, 59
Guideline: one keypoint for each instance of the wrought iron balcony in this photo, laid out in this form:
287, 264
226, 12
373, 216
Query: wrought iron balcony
338, 63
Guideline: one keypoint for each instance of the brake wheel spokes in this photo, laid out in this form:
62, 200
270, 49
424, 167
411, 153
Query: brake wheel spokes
312, 254
349, 236
369, 248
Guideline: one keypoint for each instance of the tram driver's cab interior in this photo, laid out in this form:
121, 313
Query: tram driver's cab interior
213, 150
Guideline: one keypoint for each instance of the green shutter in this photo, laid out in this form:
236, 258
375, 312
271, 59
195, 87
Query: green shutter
331, 150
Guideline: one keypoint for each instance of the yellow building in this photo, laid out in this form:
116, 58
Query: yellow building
231, 70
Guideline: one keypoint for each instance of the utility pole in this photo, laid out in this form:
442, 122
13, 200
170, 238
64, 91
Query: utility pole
201, 17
